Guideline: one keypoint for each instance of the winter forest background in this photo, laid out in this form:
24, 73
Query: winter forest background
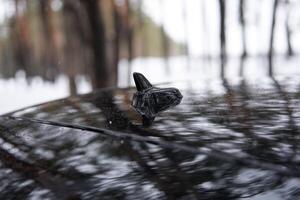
50, 49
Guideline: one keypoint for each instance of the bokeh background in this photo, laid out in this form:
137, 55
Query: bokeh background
52, 49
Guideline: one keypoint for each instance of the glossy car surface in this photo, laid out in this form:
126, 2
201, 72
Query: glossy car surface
237, 141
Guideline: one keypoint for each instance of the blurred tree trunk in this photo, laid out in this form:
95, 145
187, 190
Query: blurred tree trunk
100, 69
271, 44
73, 42
242, 65
141, 24
243, 25
117, 29
72, 85
50, 42
164, 38
129, 36
222, 35
290, 51
21, 39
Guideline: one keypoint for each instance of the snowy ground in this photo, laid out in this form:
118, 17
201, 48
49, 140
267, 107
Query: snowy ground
18, 93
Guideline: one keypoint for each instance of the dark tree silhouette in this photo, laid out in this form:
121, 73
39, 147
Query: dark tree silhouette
117, 29
129, 35
50, 43
290, 51
21, 39
100, 68
73, 43
222, 35
243, 25
242, 66
271, 44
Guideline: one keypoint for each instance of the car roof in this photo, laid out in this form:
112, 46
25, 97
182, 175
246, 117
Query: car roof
221, 145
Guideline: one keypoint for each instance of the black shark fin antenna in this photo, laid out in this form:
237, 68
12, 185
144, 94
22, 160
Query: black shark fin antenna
141, 82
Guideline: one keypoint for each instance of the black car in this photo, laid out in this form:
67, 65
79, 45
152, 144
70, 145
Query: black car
238, 142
